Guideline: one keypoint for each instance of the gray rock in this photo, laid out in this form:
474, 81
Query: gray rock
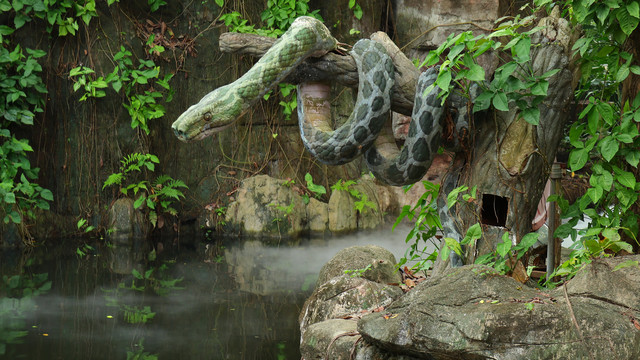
369, 218
330, 339
338, 339
265, 207
318, 216
338, 295
473, 313
126, 223
381, 260
343, 217
345, 296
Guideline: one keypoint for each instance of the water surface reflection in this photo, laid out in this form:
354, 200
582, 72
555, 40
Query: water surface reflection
223, 299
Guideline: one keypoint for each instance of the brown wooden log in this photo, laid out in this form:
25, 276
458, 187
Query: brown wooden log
333, 67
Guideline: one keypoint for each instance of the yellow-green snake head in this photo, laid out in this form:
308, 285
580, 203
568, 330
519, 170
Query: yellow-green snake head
217, 110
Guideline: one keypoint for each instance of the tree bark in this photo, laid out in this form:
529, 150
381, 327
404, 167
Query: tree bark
510, 160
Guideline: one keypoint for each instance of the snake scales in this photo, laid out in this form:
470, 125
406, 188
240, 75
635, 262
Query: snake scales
308, 37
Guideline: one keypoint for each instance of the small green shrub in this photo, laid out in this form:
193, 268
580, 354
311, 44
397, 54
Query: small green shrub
154, 197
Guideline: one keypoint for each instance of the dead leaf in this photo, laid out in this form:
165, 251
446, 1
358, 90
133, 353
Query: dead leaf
520, 273
410, 283
409, 272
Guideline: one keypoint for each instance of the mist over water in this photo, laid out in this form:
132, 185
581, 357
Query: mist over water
231, 298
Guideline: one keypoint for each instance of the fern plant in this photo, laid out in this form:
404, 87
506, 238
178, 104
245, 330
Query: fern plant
154, 197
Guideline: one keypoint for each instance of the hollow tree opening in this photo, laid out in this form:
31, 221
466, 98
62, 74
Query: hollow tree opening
494, 210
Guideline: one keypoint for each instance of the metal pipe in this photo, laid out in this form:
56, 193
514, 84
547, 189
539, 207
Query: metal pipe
556, 175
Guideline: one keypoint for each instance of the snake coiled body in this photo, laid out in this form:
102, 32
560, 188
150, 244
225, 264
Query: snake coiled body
375, 80
360, 134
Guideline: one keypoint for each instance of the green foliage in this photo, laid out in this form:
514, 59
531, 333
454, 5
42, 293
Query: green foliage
17, 302
285, 210
137, 314
426, 223
503, 258
82, 225
156, 4
357, 10
604, 140
22, 89
358, 272
154, 197
317, 190
137, 84
140, 354
63, 15
84, 250
514, 81
362, 202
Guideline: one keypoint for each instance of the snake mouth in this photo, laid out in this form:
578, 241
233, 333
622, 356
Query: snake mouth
205, 132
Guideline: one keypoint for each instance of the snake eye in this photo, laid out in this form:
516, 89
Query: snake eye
207, 116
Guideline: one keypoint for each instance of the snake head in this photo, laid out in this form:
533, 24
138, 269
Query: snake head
213, 113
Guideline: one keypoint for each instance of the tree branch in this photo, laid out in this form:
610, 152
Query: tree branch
333, 67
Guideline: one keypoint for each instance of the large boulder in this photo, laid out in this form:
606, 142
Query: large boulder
126, 223
339, 299
379, 262
474, 313
268, 207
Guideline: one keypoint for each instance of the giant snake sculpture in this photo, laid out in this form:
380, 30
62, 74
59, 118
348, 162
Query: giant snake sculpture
360, 134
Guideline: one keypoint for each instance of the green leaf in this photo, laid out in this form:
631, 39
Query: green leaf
623, 73
473, 233
475, 73
578, 159
626, 178
483, 101
595, 193
454, 245
357, 12
139, 201
454, 51
10, 198
444, 79
452, 197
531, 115
609, 147
633, 158
500, 102
504, 247
137, 274
46, 194
633, 9
540, 88
602, 11
527, 242
627, 22
521, 50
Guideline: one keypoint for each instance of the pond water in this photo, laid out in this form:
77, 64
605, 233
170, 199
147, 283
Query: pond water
217, 299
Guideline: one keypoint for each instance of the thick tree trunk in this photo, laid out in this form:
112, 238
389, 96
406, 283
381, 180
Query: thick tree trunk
510, 160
